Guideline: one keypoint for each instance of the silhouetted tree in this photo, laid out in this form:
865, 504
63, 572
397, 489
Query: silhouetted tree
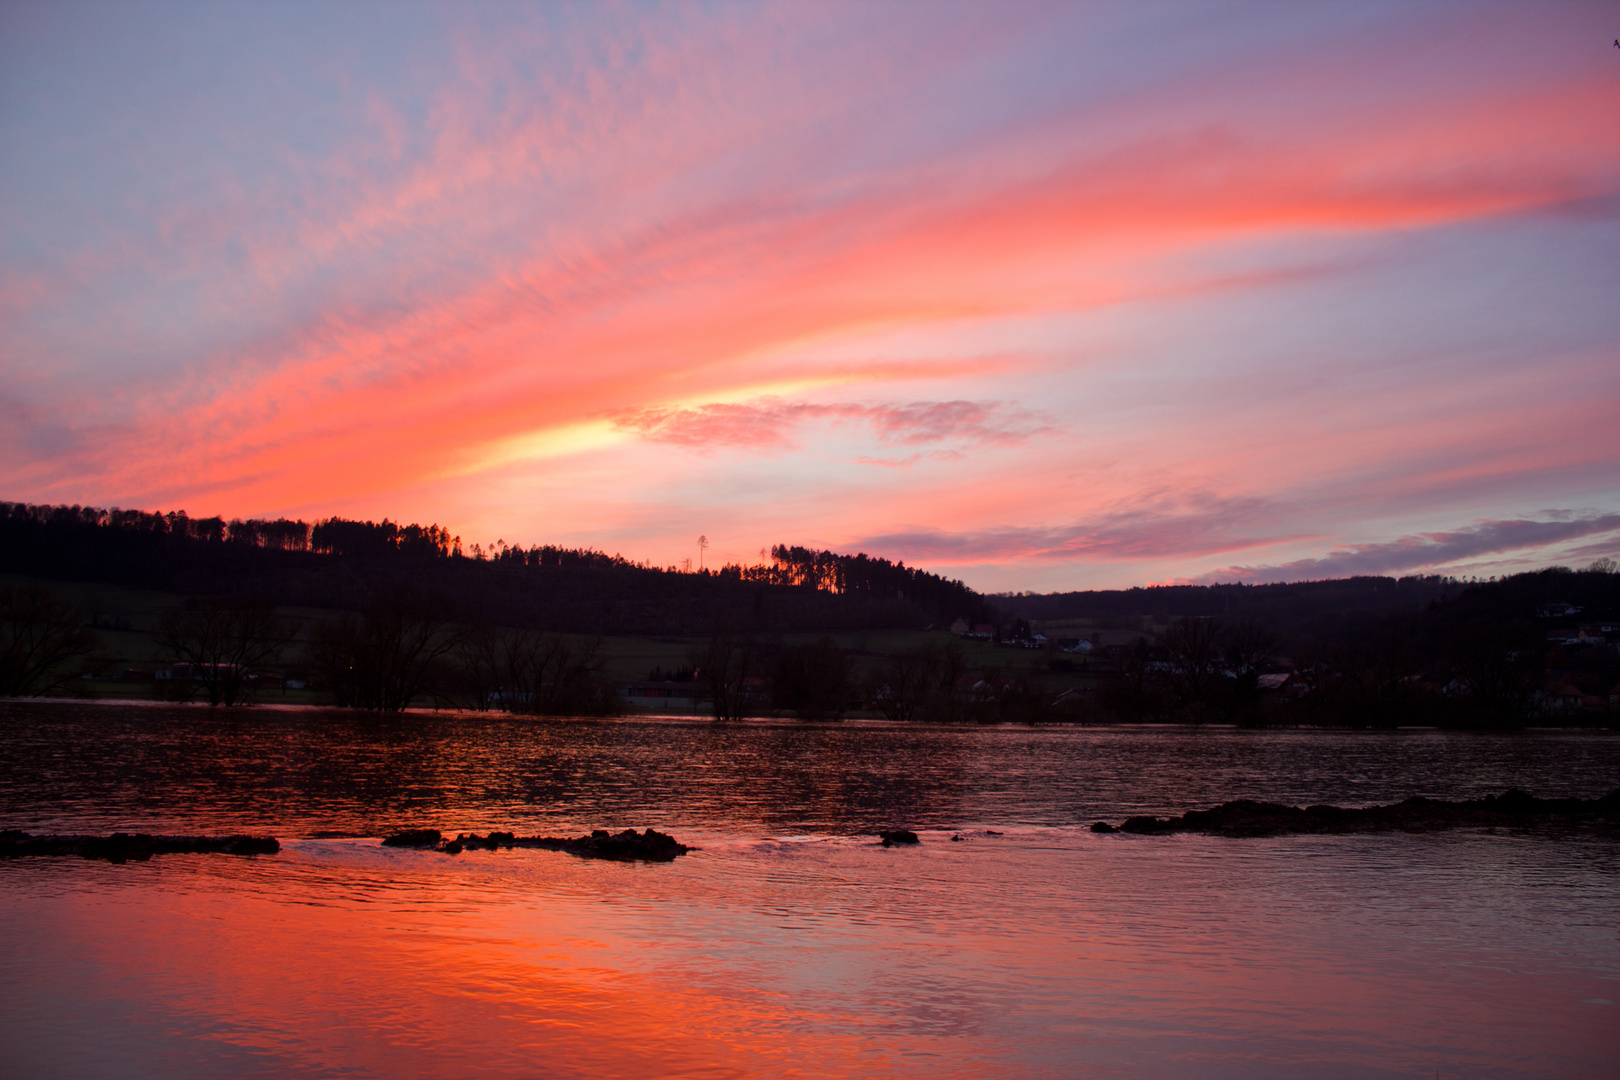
903, 686
1497, 662
478, 663
553, 674
723, 665
1193, 645
384, 659
43, 641
1247, 647
812, 680
1129, 692
221, 640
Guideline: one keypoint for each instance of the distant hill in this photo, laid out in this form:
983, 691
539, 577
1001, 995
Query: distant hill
339, 563
1303, 607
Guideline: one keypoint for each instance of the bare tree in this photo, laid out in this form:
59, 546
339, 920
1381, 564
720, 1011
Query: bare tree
722, 666
1247, 647
1193, 646
904, 685
1497, 662
554, 674
221, 640
384, 659
43, 641
812, 680
478, 655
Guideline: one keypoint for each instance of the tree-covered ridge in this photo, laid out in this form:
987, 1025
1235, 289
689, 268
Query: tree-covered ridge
344, 563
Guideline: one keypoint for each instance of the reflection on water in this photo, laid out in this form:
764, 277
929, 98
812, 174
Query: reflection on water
312, 772
790, 945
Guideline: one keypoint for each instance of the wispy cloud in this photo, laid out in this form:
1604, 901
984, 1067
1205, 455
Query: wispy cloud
1424, 551
1195, 524
773, 423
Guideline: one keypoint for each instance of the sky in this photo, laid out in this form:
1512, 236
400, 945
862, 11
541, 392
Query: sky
1038, 296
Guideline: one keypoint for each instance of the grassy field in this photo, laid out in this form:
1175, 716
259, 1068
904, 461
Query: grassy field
126, 621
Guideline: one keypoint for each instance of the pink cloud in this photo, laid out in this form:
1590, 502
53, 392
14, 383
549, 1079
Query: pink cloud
1188, 525
673, 205
770, 423
1426, 551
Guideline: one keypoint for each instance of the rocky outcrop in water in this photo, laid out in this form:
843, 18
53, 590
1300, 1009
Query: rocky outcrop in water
890, 837
1512, 809
627, 846
126, 847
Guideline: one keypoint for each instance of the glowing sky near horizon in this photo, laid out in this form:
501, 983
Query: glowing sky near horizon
1038, 296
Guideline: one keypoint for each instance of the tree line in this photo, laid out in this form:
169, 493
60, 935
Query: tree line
343, 563
1493, 654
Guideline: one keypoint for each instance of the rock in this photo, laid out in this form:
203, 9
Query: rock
898, 836
253, 845
414, 838
1514, 808
627, 846
991, 832
138, 847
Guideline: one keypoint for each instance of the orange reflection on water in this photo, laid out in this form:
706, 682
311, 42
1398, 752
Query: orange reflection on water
383, 980
1051, 953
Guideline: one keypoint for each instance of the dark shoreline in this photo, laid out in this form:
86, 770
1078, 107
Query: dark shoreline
275, 708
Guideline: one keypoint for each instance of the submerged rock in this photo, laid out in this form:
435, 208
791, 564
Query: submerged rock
627, 846
1246, 817
124, 847
898, 836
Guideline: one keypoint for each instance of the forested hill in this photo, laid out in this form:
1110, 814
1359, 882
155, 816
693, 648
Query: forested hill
1283, 606
338, 563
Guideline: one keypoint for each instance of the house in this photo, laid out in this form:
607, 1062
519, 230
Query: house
665, 695
1559, 698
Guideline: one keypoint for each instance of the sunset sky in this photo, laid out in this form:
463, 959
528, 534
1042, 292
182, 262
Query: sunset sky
1038, 296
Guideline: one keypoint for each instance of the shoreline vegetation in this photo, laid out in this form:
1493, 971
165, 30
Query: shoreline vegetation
386, 618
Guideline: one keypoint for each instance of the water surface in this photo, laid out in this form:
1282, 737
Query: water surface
791, 944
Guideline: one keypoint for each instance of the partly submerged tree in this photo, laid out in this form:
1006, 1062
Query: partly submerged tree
1193, 646
552, 674
43, 641
221, 641
902, 688
1247, 647
812, 680
723, 667
385, 658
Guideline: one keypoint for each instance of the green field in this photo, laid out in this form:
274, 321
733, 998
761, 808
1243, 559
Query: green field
126, 621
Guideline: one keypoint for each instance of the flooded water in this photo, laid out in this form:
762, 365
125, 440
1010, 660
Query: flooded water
791, 944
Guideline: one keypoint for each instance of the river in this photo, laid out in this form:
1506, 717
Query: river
791, 944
